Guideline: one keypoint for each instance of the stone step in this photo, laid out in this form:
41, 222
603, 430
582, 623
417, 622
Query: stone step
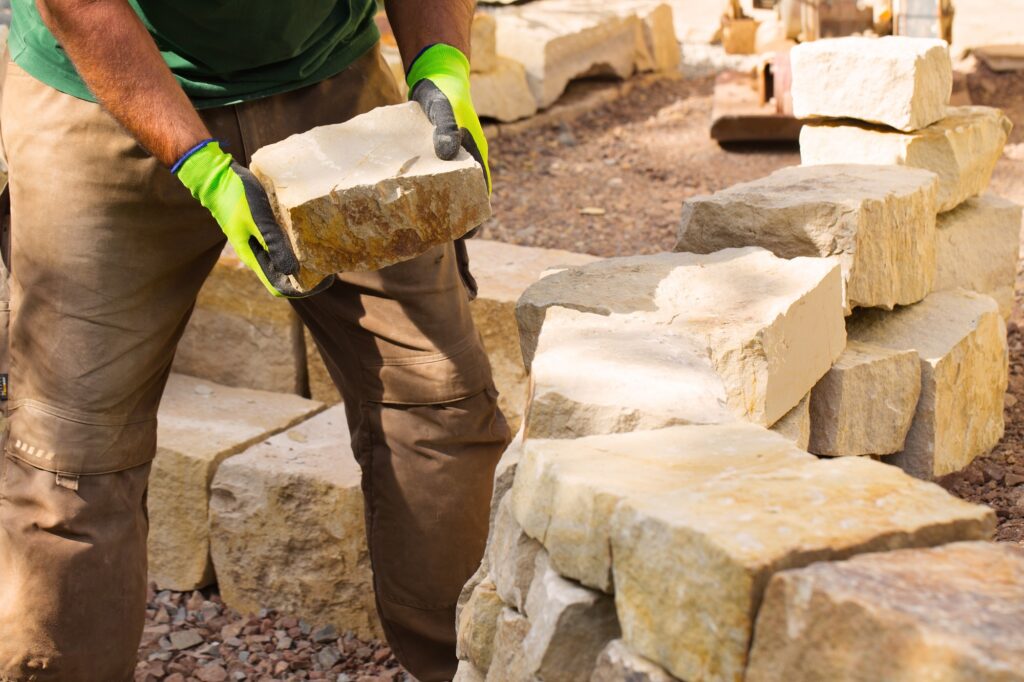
566, 491
234, 311
201, 425
962, 149
977, 248
960, 338
866, 402
287, 529
617, 663
369, 192
557, 42
879, 220
651, 341
901, 82
951, 613
690, 566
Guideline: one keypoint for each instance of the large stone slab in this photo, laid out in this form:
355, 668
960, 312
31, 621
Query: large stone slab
656, 48
557, 41
950, 613
617, 663
202, 424
866, 402
503, 272
482, 42
478, 624
691, 566
566, 491
287, 528
977, 248
503, 93
878, 220
900, 82
369, 192
264, 334
962, 149
960, 338
650, 341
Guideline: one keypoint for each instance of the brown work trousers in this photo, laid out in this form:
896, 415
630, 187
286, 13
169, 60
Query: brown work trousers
108, 253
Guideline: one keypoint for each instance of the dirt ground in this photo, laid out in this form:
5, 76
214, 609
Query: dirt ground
610, 182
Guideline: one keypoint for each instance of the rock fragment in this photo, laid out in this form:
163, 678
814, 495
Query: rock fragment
369, 192
200, 426
950, 613
901, 82
478, 623
483, 46
511, 556
467, 672
866, 403
308, 479
690, 566
509, 664
617, 663
962, 149
960, 338
977, 248
878, 220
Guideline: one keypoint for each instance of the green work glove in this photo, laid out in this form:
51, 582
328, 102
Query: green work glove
439, 81
239, 204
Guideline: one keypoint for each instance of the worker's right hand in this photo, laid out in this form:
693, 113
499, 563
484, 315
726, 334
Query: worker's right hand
240, 206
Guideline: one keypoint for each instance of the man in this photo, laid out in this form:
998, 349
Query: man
120, 209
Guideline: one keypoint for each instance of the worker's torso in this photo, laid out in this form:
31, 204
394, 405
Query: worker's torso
221, 51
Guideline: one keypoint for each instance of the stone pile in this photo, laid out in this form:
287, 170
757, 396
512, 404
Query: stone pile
665, 519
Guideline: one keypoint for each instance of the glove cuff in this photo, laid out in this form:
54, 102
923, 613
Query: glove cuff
201, 168
438, 59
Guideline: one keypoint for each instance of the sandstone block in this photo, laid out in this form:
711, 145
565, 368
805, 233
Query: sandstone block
656, 48
650, 341
234, 311
478, 624
977, 248
960, 338
691, 566
951, 613
511, 556
467, 672
796, 425
509, 664
865, 404
505, 472
369, 192
900, 82
503, 272
617, 663
878, 220
503, 93
566, 491
321, 386
482, 43
557, 41
287, 528
569, 626
962, 149
394, 61
200, 426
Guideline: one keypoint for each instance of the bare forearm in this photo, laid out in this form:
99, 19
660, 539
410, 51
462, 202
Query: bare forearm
119, 62
420, 23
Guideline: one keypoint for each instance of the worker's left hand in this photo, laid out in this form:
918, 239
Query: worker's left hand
439, 80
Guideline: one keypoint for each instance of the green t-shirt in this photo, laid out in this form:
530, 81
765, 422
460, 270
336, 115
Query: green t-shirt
221, 51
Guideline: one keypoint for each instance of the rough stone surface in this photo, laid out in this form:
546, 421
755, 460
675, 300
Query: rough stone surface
879, 221
482, 43
900, 82
691, 566
796, 425
234, 311
503, 272
321, 386
618, 664
651, 341
369, 192
467, 672
503, 93
511, 555
505, 472
952, 613
509, 664
977, 247
656, 47
200, 426
961, 340
569, 626
478, 623
566, 491
865, 404
559, 41
962, 149
287, 528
